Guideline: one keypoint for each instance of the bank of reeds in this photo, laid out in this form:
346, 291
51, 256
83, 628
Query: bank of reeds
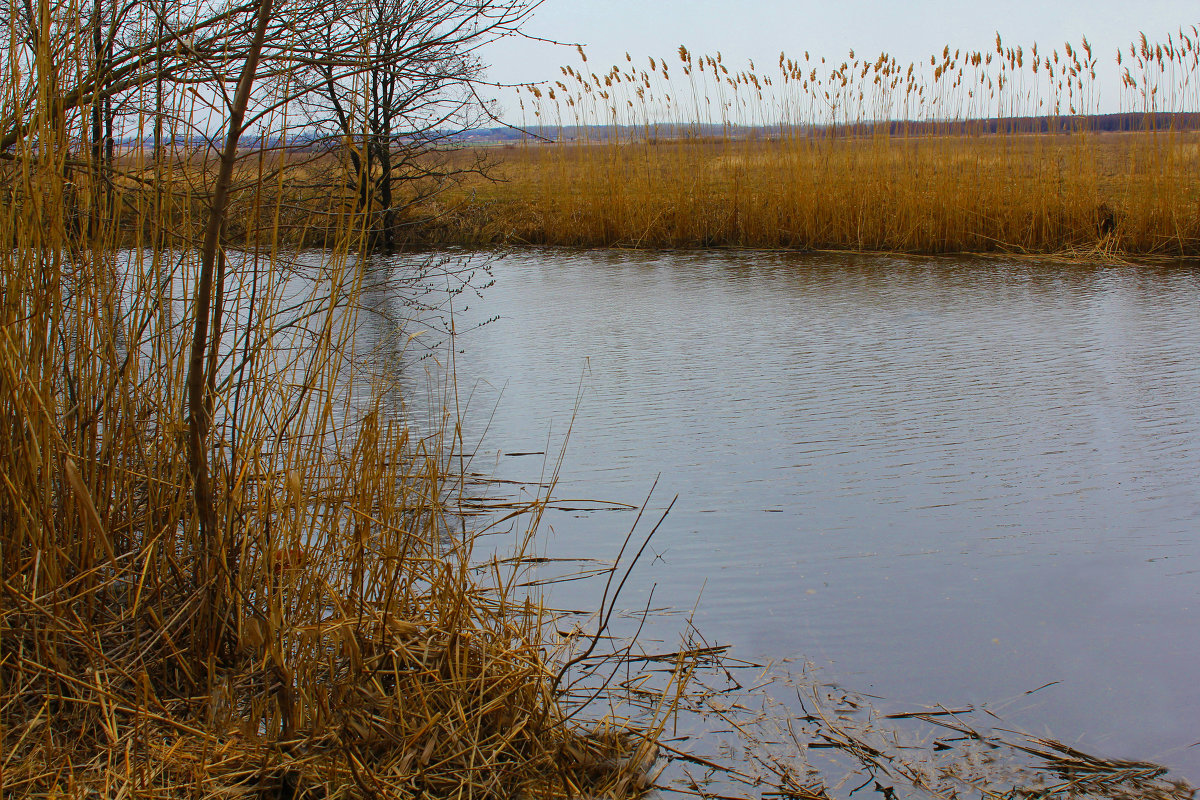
999, 151
228, 568
1002, 151
1116, 194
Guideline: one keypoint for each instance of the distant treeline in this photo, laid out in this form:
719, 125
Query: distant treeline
1132, 121
1056, 124
1129, 121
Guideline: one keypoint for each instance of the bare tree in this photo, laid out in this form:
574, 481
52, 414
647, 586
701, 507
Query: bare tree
392, 84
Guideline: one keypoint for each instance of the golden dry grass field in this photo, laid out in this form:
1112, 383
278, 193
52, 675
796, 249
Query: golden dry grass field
1132, 193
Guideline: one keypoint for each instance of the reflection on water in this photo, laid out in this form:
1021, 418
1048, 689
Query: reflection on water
940, 481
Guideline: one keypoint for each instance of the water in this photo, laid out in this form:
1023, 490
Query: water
939, 481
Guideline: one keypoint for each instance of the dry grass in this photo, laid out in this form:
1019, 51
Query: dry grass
321, 624
360, 650
1119, 193
865, 154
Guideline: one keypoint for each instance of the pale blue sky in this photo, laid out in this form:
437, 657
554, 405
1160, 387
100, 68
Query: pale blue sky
760, 29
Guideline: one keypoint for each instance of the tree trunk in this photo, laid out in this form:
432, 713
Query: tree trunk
212, 567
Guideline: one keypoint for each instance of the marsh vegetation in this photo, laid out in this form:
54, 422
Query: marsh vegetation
225, 572
1008, 150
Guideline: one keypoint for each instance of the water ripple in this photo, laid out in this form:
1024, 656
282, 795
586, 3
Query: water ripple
981, 477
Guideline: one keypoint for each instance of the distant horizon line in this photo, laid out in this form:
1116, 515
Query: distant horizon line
1128, 121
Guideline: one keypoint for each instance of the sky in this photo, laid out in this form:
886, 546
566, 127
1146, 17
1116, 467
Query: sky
760, 29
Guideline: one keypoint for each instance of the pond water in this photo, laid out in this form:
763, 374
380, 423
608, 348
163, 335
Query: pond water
938, 481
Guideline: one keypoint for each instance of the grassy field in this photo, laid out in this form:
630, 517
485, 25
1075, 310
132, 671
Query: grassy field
856, 153
1111, 193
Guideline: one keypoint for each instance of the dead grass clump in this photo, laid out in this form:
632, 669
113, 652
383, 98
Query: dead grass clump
359, 651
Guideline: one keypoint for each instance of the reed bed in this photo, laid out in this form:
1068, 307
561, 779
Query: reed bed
1006, 150
1010, 151
330, 633
229, 566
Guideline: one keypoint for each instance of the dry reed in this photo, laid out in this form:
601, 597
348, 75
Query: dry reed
358, 651
316, 621
966, 152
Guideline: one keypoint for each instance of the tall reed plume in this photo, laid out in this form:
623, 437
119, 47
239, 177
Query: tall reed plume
1004, 150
